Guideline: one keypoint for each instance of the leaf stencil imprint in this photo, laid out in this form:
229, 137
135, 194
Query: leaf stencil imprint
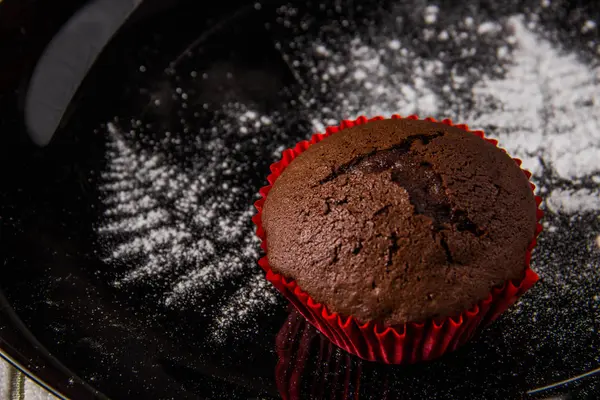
170, 231
546, 111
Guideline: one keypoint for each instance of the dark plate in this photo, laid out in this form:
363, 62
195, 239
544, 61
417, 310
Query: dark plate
129, 260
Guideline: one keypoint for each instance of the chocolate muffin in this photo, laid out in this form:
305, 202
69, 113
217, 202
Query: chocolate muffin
400, 221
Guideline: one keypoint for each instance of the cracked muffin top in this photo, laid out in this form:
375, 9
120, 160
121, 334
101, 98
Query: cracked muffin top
400, 220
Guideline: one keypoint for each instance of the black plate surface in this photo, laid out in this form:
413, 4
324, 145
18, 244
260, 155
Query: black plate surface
127, 247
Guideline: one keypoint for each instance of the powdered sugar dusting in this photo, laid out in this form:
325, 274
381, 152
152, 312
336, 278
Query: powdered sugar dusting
358, 76
257, 294
431, 13
572, 201
347, 72
545, 111
487, 27
185, 229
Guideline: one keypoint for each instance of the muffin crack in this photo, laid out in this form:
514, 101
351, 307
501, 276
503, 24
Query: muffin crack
424, 186
426, 192
392, 250
380, 156
448, 253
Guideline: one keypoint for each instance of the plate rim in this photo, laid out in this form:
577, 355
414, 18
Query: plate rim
10, 321
12, 362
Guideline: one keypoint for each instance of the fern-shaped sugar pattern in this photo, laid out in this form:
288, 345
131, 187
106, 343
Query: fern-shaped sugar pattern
546, 111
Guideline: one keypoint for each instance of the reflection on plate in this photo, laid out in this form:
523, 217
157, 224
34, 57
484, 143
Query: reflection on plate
310, 367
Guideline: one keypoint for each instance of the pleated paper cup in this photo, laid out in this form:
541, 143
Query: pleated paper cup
406, 343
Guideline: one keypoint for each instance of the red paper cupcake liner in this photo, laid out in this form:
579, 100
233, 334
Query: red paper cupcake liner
405, 343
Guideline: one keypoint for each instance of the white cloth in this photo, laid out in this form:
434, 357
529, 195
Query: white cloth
15, 386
